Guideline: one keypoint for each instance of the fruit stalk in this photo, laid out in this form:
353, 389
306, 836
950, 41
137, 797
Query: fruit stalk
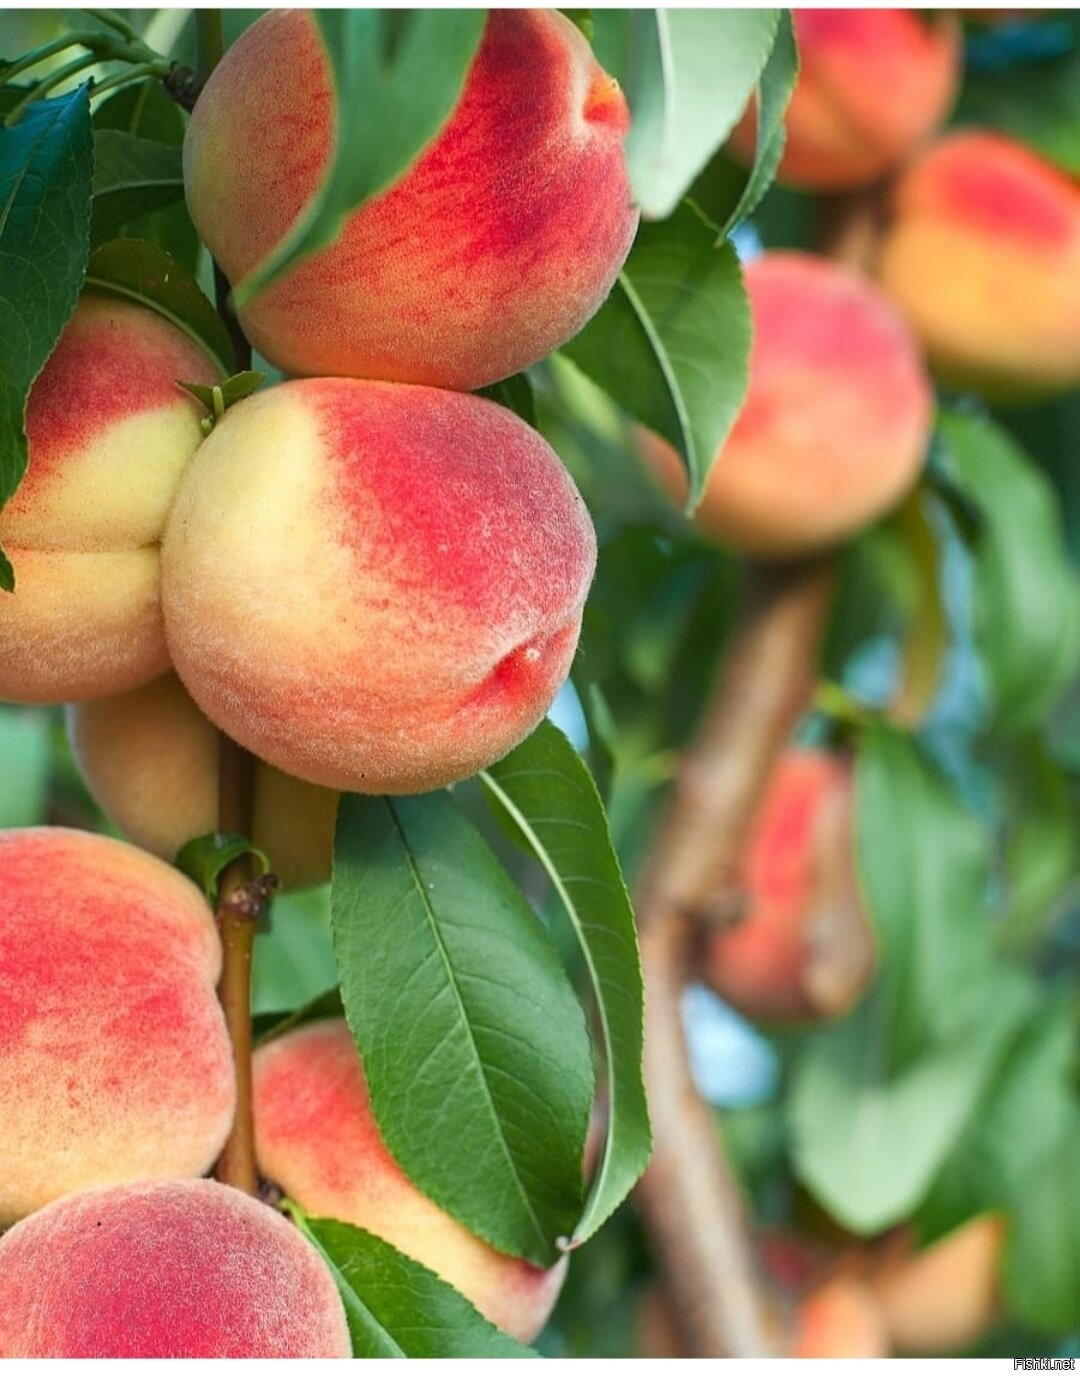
691, 1203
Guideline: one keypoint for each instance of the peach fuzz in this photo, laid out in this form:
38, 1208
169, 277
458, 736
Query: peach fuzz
946, 1297
373, 587
836, 419
873, 85
150, 760
110, 432
494, 248
982, 254
114, 1061
169, 1268
804, 949
315, 1136
841, 1319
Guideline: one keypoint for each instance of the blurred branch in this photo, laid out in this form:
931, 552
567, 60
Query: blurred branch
689, 1198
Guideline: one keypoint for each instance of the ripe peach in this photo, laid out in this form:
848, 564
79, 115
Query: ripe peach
873, 84
374, 587
804, 949
947, 1296
841, 1319
169, 1268
315, 1136
983, 256
109, 433
150, 760
114, 1062
496, 246
836, 420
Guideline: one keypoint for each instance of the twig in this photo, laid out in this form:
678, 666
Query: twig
689, 1198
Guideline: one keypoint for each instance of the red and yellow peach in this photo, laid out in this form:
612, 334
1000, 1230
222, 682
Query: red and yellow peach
114, 1061
804, 949
836, 420
373, 587
982, 254
169, 1268
110, 432
495, 247
316, 1137
150, 761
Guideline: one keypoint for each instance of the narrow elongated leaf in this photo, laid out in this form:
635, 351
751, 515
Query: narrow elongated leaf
924, 866
1027, 596
145, 273
868, 1140
545, 790
396, 1307
474, 1045
1042, 1254
396, 76
132, 176
45, 165
671, 343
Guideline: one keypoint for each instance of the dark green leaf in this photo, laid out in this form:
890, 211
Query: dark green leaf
25, 759
132, 176
219, 398
147, 274
1027, 597
268, 1027
549, 796
45, 171
670, 345
206, 857
1042, 1254
395, 1306
474, 1046
1042, 847
397, 75
1038, 103
516, 394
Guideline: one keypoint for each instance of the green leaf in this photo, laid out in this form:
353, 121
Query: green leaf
1042, 846
25, 760
132, 176
269, 1026
293, 964
396, 1307
397, 76
671, 343
221, 396
1027, 597
1037, 103
924, 866
688, 77
1042, 1254
926, 634
867, 1140
45, 171
205, 858
145, 273
474, 1045
546, 792
774, 92
516, 394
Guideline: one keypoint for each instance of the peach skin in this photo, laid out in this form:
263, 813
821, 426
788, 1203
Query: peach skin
114, 1062
841, 1319
373, 587
836, 420
982, 255
150, 760
109, 435
315, 1136
804, 949
169, 1268
495, 247
873, 85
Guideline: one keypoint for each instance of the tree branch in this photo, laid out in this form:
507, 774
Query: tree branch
689, 1199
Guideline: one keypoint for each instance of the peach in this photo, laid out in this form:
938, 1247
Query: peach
836, 420
374, 587
109, 433
150, 761
315, 1136
873, 85
983, 256
804, 949
494, 248
167, 1268
841, 1319
945, 1297
114, 1062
